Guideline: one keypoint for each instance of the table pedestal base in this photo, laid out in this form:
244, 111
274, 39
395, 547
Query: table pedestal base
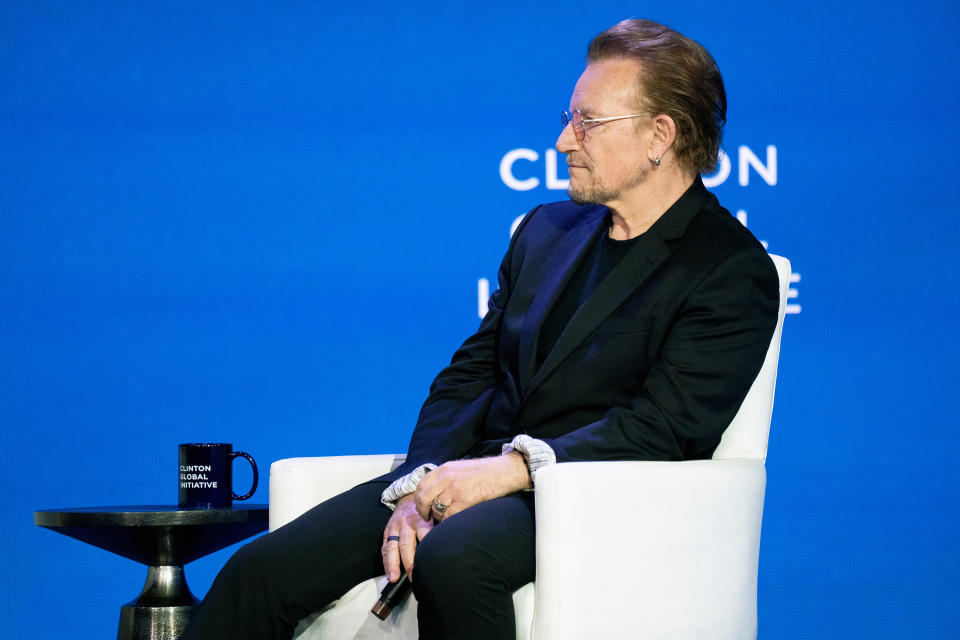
156, 623
163, 537
162, 610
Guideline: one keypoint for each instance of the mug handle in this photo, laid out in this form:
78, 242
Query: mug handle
256, 476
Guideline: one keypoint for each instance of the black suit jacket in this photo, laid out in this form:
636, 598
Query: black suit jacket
654, 364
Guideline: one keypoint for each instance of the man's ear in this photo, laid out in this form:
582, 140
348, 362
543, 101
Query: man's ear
663, 133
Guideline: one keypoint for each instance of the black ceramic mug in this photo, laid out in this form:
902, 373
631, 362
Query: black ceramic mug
206, 475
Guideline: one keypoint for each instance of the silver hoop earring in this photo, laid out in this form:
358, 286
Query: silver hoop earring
656, 161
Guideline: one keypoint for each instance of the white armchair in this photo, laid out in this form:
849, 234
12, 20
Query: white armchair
676, 559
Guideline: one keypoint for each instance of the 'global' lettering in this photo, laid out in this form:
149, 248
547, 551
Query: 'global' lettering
792, 307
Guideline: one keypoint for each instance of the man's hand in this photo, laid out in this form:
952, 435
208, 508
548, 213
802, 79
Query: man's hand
407, 524
463, 483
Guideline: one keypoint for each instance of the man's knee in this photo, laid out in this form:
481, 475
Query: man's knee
247, 562
445, 567
259, 576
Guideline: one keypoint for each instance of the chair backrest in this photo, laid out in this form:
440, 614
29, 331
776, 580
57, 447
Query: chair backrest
748, 433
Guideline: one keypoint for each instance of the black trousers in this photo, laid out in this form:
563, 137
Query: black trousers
464, 576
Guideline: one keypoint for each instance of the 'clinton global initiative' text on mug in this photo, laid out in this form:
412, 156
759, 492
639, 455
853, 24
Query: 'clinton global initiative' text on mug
206, 475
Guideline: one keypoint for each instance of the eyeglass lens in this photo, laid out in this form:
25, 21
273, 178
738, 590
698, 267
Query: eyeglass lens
575, 120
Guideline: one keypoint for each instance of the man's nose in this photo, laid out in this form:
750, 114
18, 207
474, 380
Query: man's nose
567, 141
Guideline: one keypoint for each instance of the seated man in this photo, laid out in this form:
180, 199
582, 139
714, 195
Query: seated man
628, 324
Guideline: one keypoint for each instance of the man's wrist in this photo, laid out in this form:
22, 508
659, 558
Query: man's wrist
520, 472
404, 485
405, 499
536, 453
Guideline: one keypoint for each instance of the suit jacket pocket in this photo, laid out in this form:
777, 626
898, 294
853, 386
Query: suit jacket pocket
626, 325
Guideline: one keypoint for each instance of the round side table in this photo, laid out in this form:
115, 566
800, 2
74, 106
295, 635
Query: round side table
164, 538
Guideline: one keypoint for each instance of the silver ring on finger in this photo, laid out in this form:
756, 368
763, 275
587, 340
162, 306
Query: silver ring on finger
440, 507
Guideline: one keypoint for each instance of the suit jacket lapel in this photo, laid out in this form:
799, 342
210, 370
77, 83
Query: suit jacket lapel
564, 259
632, 270
640, 262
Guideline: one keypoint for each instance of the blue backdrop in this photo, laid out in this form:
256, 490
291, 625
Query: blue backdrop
271, 226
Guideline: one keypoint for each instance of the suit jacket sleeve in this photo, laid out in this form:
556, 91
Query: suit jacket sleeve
451, 419
710, 357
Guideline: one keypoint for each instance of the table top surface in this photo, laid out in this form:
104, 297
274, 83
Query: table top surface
157, 534
148, 516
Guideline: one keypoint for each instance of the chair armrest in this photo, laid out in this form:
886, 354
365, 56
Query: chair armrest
669, 548
299, 484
